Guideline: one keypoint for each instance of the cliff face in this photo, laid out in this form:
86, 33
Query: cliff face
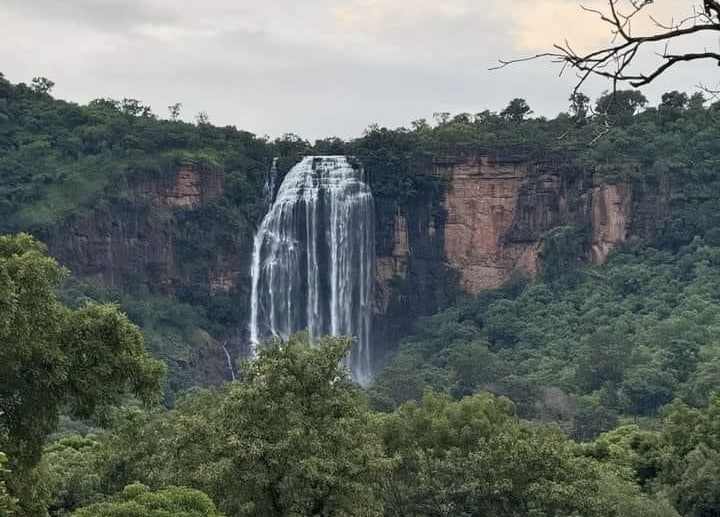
160, 235
488, 227
137, 241
610, 217
481, 204
484, 227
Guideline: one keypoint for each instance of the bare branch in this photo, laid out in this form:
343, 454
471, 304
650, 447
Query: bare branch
618, 61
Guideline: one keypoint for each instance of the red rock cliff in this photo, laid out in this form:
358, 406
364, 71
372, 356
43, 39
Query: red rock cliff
133, 242
492, 219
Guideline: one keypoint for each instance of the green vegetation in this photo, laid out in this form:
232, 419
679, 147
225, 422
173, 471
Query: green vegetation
625, 338
679, 461
59, 159
53, 358
296, 437
588, 392
7, 502
137, 500
178, 333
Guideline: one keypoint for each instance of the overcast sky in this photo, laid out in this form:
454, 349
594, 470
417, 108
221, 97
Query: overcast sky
311, 67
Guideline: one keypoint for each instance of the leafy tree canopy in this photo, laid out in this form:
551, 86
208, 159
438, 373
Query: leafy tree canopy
137, 500
52, 357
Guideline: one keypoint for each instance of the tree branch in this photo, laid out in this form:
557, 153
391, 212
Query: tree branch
618, 61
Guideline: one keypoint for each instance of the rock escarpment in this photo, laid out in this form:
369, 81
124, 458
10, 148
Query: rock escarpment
488, 226
140, 240
484, 227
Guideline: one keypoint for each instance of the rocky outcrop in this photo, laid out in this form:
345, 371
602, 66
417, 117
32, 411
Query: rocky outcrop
392, 267
488, 225
481, 204
136, 240
611, 205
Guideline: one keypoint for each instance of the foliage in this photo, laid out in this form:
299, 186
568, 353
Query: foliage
473, 457
180, 334
679, 460
625, 339
53, 357
294, 437
298, 436
7, 502
137, 500
516, 111
71, 474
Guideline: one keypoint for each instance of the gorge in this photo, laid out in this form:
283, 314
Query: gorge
484, 227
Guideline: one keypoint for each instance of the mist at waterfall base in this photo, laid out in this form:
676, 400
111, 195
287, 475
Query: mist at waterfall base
313, 259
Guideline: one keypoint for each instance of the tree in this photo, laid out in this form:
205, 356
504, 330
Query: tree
516, 111
620, 106
672, 106
294, 437
692, 466
299, 434
202, 118
175, 111
135, 108
137, 500
72, 475
621, 61
52, 357
42, 85
474, 457
579, 106
7, 502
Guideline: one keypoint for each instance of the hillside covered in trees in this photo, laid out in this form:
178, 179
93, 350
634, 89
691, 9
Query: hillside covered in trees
586, 391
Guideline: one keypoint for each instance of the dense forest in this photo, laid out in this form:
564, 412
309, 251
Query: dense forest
587, 391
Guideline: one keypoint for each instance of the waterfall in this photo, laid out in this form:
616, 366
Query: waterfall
229, 361
313, 259
270, 180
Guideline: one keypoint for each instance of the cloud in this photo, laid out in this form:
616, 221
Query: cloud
538, 24
108, 14
314, 68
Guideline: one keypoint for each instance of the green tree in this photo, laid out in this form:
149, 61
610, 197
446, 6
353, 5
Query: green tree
579, 106
620, 106
691, 472
299, 435
72, 474
293, 438
174, 110
672, 105
7, 502
42, 85
516, 111
474, 457
52, 357
137, 500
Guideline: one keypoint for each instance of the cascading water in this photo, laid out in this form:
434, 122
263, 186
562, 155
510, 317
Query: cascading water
313, 259
270, 179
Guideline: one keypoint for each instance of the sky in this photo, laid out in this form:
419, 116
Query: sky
315, 68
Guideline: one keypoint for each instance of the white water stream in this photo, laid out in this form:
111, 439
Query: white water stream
313, 259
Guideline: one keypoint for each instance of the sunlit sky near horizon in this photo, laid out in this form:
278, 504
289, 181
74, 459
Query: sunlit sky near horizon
315, 68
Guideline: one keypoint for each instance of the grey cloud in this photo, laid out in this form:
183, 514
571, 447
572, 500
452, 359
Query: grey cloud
278, 66
100, 14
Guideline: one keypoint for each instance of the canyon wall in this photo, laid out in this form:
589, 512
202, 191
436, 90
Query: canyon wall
143, 239
161, 235
487, 228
